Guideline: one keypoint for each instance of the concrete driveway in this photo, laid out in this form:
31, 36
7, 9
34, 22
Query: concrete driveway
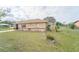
6, 31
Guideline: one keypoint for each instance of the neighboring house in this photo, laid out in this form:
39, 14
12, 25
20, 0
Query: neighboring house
76, 23
32, 25
4, 25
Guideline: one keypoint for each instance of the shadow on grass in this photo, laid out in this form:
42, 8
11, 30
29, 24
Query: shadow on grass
52, 40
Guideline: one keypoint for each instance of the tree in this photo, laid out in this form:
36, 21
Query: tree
48, 28
58, 25
51, 23
2, 13
71, 25
50, 19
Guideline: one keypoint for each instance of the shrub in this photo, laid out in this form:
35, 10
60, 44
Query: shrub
48, 28
71, 25
50, 38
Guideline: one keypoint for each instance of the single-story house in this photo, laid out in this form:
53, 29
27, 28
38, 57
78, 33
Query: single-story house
76, 23
31, 25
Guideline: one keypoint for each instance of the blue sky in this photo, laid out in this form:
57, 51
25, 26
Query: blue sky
64, 14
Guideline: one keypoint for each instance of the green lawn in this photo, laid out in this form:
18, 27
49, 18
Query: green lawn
67, 40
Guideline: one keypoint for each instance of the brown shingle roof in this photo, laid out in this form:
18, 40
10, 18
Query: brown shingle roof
76, 21
32, 21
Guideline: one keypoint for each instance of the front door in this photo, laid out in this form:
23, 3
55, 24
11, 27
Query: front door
16, 26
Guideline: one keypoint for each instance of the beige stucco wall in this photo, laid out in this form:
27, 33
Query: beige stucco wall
19, 27
36, 25
33, 27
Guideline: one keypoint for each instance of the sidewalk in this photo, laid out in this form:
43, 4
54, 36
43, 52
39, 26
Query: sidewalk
7, 31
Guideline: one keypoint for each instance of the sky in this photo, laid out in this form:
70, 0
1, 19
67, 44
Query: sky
64, 14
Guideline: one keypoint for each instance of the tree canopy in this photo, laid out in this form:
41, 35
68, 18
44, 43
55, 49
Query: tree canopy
4, 12
50, 19
71, 25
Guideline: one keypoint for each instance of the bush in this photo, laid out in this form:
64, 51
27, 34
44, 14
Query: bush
48, 28
71, 25
58, 25
50, 38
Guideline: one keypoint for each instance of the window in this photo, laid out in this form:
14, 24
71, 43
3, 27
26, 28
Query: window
23, 25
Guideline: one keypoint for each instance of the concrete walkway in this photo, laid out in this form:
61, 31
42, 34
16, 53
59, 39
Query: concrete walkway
6, 31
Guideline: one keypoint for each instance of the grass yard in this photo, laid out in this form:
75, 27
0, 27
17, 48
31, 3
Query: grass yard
67, 40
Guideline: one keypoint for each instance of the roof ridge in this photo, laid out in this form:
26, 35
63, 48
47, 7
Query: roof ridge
32, 21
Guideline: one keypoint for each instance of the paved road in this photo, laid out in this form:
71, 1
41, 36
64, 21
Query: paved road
6, 31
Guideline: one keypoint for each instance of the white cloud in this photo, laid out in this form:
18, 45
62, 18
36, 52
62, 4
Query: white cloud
61, 13
34, 12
